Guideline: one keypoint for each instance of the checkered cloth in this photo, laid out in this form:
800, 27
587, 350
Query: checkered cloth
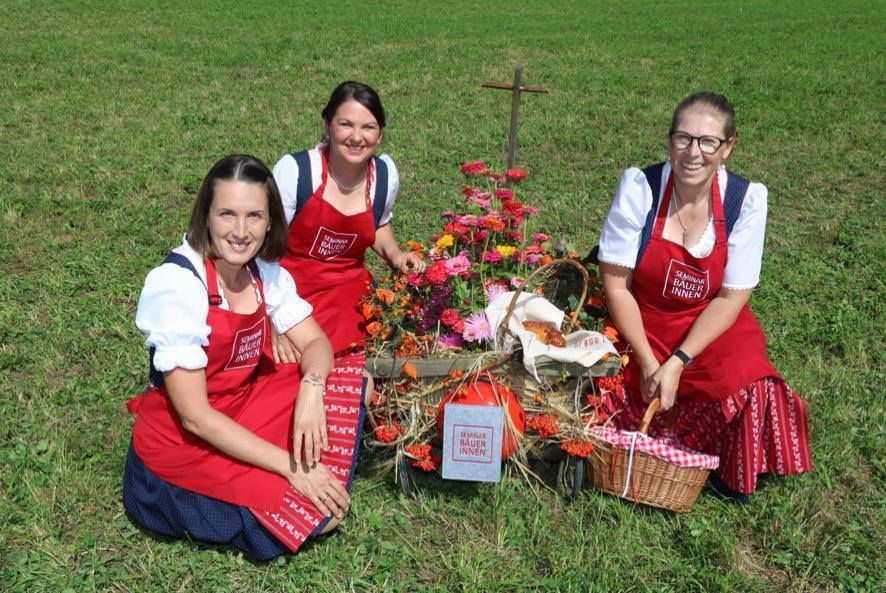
669, 450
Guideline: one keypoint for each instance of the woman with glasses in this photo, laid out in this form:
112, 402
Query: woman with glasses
680, 254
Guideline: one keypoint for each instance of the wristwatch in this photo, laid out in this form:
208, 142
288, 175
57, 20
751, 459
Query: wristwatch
684, 358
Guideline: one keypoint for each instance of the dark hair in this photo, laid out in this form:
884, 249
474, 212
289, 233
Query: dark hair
363, 94
708, 100
239, 167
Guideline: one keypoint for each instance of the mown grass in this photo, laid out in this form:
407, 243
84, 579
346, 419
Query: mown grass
111, 113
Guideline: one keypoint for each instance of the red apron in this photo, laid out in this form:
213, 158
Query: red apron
242, 383
325, 254
672, 288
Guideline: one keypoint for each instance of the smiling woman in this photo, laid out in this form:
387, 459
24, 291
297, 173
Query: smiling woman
680, 254
228, 447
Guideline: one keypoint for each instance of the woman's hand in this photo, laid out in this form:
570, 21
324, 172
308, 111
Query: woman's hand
665, 381
648, 379
321, 487
284, 350
309, 438
408, 262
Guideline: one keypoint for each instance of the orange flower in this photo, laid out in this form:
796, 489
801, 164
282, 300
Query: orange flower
410, 371
610, 332
369, 311
373, 328
546, 260
384, 295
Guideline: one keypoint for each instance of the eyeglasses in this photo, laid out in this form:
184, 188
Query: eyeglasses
706, 144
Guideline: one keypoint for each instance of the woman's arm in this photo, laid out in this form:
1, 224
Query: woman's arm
716, 318
386, 247
309, 436
625, 313
187, 391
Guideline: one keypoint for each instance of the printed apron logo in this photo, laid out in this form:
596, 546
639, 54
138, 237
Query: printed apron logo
685, 283
246, 350
329, 244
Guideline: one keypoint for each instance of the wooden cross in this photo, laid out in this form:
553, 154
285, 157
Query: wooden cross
516, 89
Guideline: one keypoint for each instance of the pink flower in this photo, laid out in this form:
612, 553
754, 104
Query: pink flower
495, 289
415, 280
457, 265
449, 317
467, 220
540, 237
477, 328
517, 281
450, 340
480, 200
448, 215
516, 175
531, 258
492, 256
473, 167
529, 210
504, 193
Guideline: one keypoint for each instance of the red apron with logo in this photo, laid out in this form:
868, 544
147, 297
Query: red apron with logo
239, 384
672, 287
326, 256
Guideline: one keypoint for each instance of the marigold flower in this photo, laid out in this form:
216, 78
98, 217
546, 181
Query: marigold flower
384, 295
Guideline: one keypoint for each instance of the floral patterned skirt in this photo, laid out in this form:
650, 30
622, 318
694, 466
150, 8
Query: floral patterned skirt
763, 428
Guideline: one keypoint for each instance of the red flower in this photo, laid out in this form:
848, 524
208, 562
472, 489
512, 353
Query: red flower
449, 317
516, 175
473, 168
504, 193
436, 274
544, 424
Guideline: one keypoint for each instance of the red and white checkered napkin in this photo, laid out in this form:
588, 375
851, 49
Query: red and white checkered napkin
669, 450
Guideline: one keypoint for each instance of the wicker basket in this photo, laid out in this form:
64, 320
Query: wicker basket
653, 481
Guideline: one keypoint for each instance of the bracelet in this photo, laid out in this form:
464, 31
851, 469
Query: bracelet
684, 358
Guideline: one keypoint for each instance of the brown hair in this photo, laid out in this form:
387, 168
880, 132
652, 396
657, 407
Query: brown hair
363, 94
239, 167
711, 101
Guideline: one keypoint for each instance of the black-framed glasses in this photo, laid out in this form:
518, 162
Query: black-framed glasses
706, 144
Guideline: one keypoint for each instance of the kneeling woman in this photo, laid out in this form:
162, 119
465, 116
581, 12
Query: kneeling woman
680, 254
228, 447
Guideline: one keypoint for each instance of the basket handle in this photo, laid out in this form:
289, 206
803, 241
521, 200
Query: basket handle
503, 326
650, 412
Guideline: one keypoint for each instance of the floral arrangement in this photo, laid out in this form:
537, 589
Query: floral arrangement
484, 249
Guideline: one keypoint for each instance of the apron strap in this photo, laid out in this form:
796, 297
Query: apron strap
305, 189
736, 189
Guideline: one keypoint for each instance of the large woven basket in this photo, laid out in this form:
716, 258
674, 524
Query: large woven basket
653, 481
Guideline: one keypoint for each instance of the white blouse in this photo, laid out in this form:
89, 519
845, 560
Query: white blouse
620, 239
286, 175
173, 306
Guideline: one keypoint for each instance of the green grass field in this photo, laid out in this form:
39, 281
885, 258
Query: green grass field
112, 112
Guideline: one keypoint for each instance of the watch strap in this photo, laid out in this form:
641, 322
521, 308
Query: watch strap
684, 358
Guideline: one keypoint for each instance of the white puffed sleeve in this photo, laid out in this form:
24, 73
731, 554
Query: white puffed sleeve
171, 313
745, 243
286, 175
620, 239
283, 304
393, 189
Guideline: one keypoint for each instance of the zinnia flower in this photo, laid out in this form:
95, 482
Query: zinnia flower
492, 256
457, 265
444, 241
450, 340
540, 237
473, 167
504, 193
449, 317
517, 282
506, 251
516, 175
477, 328
436, 273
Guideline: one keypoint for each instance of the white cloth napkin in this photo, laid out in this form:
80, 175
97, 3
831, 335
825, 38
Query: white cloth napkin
582, 347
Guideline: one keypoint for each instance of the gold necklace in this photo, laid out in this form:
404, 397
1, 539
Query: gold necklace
680, 220
346, 189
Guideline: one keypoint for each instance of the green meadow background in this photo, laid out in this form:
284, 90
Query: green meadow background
111, 112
